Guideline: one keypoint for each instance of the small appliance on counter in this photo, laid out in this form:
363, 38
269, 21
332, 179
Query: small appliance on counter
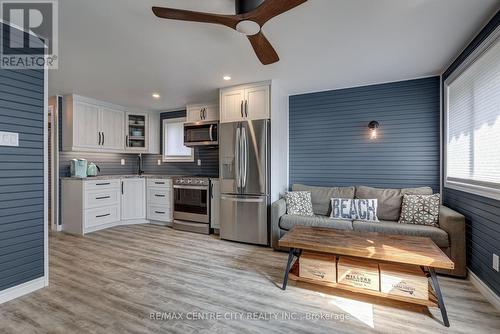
78, 168
92, 169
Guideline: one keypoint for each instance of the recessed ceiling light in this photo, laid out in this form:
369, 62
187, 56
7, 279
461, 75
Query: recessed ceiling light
156, 96
226, 77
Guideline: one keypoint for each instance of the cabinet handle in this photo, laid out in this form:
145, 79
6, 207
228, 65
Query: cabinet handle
201, 113
103, 197
102, 216
122, 187
160, 212
211, 190
204, 113
246, 108
159, 195
159, 182
241, 108
103, 184
103, 138
99, 134
126, 139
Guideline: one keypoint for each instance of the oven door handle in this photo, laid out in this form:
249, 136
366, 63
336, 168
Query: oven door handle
210, 132
192, 187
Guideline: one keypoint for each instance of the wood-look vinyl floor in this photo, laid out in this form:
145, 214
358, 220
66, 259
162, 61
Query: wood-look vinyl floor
111, 281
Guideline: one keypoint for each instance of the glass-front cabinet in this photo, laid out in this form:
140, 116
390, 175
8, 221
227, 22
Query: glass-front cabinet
136, 132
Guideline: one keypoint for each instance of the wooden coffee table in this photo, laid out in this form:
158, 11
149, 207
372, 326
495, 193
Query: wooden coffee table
418, 251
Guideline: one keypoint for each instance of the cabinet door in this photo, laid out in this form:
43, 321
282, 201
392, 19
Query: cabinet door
212, 112
85, 126
133, 199
137, 132
195, 113
215, 204
231, 105
257, 102
111, 124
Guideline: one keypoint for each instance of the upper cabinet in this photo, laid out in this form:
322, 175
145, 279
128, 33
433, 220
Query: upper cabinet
95, 126
136, 132
248, 102
202, 112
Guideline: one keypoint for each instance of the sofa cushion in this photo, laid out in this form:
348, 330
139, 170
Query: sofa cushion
439, 236
354, 209
299, 203
321, 196
420, 209
390, 200
289, 221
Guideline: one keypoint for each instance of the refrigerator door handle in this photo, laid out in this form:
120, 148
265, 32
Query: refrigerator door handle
243, 200
237, 166
244, 142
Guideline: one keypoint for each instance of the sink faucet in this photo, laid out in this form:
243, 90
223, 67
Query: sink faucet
139, 165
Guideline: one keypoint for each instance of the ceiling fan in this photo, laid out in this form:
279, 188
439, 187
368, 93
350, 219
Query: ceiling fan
250, 16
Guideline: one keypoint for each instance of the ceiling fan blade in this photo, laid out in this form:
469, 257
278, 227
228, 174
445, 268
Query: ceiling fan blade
186, 15
270, 9
263, 49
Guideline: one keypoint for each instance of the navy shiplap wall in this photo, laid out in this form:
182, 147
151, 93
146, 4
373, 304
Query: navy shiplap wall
22, 178
330, 142
482, 214
209, 157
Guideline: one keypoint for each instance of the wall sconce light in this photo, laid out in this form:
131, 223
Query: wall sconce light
373, 126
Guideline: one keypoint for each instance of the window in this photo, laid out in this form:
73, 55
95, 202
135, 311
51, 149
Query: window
472, 106
173, 142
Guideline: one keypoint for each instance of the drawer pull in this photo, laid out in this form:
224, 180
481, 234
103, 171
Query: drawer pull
159, 182
159, 195
102, 216
160, 212
103, 197
103, 184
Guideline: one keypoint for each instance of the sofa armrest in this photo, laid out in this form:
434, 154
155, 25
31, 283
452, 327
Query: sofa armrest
278, 209
454, 224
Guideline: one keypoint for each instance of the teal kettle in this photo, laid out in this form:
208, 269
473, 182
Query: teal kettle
92, 169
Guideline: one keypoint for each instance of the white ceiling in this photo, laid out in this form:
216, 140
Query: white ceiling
116, 50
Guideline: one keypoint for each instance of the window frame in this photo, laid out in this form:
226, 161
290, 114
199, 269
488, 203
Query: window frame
174, 158
485, 189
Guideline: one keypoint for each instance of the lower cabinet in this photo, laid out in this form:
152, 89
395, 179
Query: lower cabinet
89, 205
159, 199
133, 200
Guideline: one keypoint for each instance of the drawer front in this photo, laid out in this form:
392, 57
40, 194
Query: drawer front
159, 183
101, 197
159, 196
101, 216
101, 184
160, 213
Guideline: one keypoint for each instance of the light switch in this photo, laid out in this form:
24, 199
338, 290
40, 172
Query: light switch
199, 162
9, 139
159, 162
122, 162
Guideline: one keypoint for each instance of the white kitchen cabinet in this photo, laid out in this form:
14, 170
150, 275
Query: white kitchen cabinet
160, 201
202, 112
89, 205
82, 129
133, 199
248, 102
111, 123
136, 132
214, 204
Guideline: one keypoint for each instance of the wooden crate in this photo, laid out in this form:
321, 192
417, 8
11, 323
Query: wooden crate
404, 280
358, 273
318, 266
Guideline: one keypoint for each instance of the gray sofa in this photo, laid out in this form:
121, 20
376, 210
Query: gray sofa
449, 236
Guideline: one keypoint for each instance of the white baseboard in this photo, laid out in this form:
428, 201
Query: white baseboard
22, 289
485, 290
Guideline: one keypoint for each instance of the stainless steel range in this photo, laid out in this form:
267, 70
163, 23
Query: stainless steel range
192, 204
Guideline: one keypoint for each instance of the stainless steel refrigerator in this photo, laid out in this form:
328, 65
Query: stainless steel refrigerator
244, 181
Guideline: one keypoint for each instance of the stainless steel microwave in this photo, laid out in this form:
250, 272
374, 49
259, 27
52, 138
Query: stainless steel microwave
201, 133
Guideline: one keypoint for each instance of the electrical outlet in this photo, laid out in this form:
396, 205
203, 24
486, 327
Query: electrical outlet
122, 162
495, 262
159, 162
9, 139
199, 162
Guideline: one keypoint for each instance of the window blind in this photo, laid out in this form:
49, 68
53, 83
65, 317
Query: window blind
473, 122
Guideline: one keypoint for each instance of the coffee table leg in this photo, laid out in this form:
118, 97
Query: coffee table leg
288, 265
439, 296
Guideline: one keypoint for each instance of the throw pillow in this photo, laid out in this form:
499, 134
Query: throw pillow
420, 209
299, 203
355, 209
